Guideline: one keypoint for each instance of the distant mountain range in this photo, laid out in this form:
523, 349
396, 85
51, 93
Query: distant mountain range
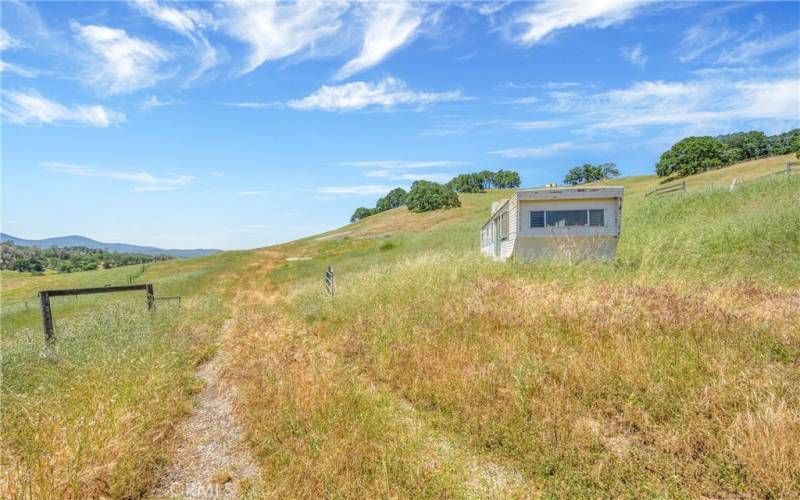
82, 241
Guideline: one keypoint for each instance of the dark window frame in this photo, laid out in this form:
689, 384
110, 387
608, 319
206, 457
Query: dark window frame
588, 213
537, 214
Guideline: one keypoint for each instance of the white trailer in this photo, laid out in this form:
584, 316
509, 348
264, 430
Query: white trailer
569, 224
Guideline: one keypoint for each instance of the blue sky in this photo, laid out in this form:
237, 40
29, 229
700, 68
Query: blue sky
239, 124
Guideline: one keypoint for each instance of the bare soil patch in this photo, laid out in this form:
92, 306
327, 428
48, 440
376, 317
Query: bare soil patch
212, 459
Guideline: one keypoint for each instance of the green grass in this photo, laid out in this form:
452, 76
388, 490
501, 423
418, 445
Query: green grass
714, 234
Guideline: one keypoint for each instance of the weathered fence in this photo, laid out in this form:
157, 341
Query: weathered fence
791, 166
668, 189
330, 281
47, 313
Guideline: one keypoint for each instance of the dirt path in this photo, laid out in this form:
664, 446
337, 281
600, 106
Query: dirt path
212, 460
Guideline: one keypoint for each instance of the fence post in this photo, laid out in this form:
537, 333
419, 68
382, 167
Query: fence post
47, 316
733, 184
683, 186
788, 167
330, 281
151, 299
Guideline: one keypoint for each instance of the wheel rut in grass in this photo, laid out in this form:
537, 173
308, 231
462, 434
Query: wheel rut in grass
212, 459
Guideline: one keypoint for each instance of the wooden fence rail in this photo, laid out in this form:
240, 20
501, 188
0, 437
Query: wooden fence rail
791, 166
47, 313
668, 189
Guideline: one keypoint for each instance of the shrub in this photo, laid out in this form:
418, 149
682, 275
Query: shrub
476, 182
387, 246
693, 155
361, 213
395, 198
591, 173
746, 145
426, 196
506, 179
468, 183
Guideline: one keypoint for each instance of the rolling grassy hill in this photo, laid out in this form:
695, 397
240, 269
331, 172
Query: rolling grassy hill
673, 371
83, 241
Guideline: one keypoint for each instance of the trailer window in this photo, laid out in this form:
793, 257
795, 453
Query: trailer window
597, 218
566, 218
504, 226
537, 219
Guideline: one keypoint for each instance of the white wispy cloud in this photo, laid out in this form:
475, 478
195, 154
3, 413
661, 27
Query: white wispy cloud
538, 124
544, 18
459, 126
706, 103
252, 104
715, 40
751, 51
8, 42
387, 93
121, 63
524, 101
389, 26
489, 7
537, 151
702, 38
252, 193
354, 190
409, 176
404, 170
18, 70
31, 108
143, 181
275, 30
152, 102
404, 165
634, 54
187, 22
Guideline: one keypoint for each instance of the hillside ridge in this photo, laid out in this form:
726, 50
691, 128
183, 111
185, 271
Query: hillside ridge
75, 240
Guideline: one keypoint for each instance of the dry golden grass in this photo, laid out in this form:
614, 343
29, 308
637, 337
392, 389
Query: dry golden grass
586, 389
321, 428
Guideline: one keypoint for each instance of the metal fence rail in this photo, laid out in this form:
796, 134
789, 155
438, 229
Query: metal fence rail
47, 313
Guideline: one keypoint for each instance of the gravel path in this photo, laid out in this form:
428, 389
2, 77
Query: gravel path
212, 460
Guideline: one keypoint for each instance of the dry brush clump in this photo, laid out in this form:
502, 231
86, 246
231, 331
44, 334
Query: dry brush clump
591, 387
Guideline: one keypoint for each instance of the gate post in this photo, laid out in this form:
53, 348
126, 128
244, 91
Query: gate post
47, 316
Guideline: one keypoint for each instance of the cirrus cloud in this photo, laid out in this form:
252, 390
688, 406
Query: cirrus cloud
143, 181
387, 93
31, 108
548, 17
390, 26
187, 22
122, 63
354, 190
